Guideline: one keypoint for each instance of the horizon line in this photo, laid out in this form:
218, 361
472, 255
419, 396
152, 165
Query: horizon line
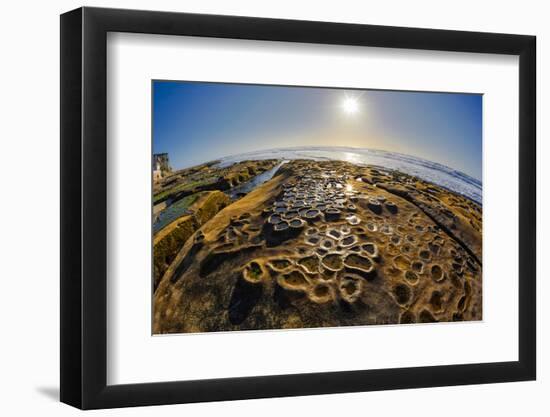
331, 147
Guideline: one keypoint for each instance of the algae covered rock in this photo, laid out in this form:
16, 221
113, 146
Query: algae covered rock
168, 242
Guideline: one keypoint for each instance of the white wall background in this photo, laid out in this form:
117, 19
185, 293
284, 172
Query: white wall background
29, 215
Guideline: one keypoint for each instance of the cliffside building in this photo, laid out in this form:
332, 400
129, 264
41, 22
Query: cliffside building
161, 166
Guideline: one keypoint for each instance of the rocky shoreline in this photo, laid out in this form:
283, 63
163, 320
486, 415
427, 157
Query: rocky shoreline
321, 244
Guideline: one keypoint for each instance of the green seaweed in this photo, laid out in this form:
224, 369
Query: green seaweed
187, 186
174, 211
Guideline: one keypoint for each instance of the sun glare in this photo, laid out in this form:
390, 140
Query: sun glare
350, 105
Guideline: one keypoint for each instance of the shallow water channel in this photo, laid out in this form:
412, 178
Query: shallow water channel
248, 186
181, 207
172, 212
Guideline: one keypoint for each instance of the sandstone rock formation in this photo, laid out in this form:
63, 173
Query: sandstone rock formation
327, 244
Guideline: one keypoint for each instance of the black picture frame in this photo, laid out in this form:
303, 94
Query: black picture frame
84, 207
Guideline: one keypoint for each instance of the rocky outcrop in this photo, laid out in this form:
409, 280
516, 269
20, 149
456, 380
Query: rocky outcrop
208, 177
168, 242
328, 244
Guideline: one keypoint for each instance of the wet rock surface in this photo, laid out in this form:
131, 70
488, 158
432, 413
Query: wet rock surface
328, 243
208, 177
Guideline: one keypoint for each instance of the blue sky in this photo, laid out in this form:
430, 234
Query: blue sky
199, 122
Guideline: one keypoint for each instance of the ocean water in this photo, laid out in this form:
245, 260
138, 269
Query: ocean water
429, 171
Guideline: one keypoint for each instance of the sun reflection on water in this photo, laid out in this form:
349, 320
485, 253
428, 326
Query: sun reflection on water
351, 157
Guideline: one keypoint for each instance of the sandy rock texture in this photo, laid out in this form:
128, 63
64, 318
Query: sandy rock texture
326, 244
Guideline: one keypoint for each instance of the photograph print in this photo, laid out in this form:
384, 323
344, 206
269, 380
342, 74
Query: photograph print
286, 207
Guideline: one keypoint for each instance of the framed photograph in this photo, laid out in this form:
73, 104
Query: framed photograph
257, 208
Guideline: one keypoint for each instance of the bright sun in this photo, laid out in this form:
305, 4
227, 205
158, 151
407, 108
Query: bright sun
350, 105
